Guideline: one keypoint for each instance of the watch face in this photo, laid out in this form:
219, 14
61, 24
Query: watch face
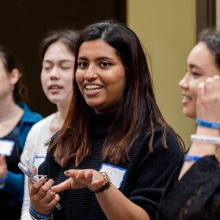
106, 177
107, 182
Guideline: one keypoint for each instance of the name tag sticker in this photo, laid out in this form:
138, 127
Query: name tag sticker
116, 174
6, 147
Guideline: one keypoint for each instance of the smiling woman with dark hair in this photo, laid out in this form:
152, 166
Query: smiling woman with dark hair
115, 151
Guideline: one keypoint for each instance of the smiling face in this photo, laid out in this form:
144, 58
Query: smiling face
201, 64
57, 72
100, 75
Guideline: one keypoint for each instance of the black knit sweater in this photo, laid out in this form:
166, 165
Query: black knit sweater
144, 182
196, 196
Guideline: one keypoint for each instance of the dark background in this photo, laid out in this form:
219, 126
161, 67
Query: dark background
24, 23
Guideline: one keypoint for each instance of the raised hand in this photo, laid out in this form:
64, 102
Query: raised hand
208, 100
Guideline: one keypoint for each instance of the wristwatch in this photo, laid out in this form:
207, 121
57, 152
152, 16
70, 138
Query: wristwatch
107, 182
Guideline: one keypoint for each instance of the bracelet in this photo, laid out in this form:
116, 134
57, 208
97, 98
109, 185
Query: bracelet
207, 124
34, 218
2, 180
38, 215
213, 140
191, 158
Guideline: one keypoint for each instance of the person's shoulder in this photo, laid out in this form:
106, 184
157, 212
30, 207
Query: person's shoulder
43, 123
29, 115
46, 120
166, 129
168, 134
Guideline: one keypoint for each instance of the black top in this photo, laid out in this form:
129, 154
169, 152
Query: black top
144, 181
196, 196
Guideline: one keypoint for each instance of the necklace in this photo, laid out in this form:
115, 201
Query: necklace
8, 117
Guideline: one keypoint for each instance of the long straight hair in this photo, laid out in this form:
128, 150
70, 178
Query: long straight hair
136, 111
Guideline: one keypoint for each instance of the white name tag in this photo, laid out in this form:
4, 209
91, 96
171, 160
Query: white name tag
116, 174
38, 161
6, 147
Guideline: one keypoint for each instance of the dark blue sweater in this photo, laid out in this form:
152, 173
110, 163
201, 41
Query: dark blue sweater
144, 182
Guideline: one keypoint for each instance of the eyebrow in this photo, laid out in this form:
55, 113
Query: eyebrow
194, 66
99, 58
60, 61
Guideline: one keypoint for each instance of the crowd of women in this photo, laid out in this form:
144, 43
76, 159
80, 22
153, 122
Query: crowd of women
107, 152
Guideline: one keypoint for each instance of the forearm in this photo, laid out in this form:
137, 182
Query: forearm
200, 149
116, 206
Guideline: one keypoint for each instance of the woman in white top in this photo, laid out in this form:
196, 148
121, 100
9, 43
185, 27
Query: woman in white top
57, 56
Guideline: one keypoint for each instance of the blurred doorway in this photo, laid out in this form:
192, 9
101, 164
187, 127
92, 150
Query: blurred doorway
205, 14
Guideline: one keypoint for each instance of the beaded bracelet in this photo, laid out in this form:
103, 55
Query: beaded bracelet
207, 124
2, 180
205, 139
38, 215
191, 158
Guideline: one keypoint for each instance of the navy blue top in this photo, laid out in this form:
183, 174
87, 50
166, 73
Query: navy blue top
11, 195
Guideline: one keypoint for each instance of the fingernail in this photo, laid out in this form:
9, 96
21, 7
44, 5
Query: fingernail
67, 172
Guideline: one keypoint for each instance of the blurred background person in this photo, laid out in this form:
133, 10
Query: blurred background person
16, 119
57, 54
196, 192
